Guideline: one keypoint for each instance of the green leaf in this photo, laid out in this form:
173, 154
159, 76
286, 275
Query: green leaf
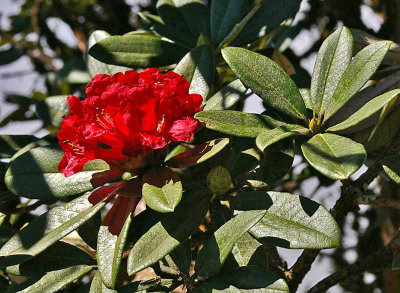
59, 256
152, 285
89, 231
224, 15
366, 111
237, 123
10, 55
167, 234
359, 71
198, 68
136, 51
182, 257
306, 95
215, 251
52, 109
269, 81
2, 217
332, 60
391, 165
268, 137
50, 282
335, 156
291, 221
34, 174
96, 67
109, 253
10, 144
396, 263
271, 14
227, 97
47, 229
98, 286
189, 17
248, 251
198, 154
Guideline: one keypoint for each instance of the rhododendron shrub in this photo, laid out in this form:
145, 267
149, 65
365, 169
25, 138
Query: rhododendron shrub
157, 180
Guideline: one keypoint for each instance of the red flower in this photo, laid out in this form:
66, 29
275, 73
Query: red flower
125, 116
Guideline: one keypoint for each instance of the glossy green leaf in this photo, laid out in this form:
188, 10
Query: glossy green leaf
198, 68
248, 251
227, 97
332, 60
291, 221
50, 282
97, 285
136, 51
198, 154
47, 229
215, 251
268, 137
396, 263
52, 109
34, 174
167, 234
93, 65
335, 156
269, 81
109, 253
10, 144
224, 15
237, 123
271, 14
391, 166
366, 111
359, 71
59, 256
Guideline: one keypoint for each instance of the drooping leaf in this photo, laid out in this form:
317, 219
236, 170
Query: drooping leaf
224, 15
332, 60
227, 97
267, 80
51, 281
198, 154
271, 14
391, 165
335, 156
10, 144
268, 137
34, 174
291, 221
52, 109
47, 229
237, 123
93, 65
215, 251
97, 285
359, 71
136, 51
198, 68
366, 111
59, 256
167, 234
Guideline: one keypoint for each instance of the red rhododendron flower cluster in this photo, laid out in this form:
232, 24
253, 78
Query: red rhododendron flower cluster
127, 115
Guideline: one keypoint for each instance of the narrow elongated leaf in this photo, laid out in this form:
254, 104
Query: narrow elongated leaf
224, 15
366, 111
215, 251
167, 234
10, 144
89, 231
109, 253
198, 68
93, 65
291, 221
136, 51
2, 217
97, 285
59, 256
52, 109
332, 60
227, 97
50, 282
335, 156
391, 165
359, 71
47, 229
271, 14
34, 174
268, 137
198, 154
306, 95
267, 80
237, 123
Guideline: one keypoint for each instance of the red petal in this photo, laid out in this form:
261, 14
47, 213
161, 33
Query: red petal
104, 193
117, 215
183, 130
